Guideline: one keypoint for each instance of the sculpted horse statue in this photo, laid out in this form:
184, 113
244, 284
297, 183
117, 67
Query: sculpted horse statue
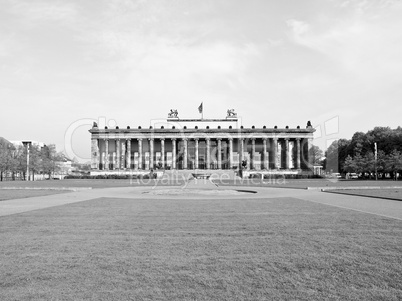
231, 113
173, 113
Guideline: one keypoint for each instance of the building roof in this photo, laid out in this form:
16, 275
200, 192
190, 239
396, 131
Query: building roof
31, 142
4, 141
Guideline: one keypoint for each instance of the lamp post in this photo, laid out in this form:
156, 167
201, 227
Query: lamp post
27, 144
375, 160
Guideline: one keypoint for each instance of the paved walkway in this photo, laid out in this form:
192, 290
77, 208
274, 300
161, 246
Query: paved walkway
381, 207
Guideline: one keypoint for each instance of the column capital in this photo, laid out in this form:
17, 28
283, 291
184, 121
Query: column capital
139, 139
298, 139
162, 139
174, 139
287, 139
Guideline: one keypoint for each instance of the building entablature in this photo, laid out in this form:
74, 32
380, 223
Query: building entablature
202, 136
201, 133
198, 130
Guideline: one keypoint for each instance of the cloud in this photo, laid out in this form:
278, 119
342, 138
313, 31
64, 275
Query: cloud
298, 28
366, 40
33, 11
170, 61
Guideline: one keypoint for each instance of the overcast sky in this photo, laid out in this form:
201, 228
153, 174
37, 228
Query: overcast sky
66, 63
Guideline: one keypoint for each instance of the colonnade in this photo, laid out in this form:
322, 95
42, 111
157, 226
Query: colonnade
114, 153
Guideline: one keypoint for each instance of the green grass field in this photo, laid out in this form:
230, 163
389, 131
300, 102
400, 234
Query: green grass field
391, 193
10, 194
259, 249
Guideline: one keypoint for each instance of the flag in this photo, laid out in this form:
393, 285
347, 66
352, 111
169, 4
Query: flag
200, 108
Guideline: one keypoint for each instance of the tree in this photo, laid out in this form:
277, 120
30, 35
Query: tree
349, 164
359, 143
393, 162
316, 154
49, 159
336, 154
34, 160
369, 163
13, 159
7, 160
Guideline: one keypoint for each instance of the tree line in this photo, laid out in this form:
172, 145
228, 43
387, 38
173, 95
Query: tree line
358, 154
14, 163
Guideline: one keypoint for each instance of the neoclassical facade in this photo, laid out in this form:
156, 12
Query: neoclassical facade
210, 144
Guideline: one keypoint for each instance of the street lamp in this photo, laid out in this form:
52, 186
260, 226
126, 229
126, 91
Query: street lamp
375, 160
27, 143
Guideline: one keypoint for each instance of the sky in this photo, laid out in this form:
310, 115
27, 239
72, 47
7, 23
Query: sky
65, 64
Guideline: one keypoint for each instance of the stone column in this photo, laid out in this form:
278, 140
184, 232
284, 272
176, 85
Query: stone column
298, 153
230, 153
95, 156
196, 153
252, 154
174, 154
151, 153
123, 156
163, 152
275, 152
129, 153
241, 152
185, 159
265, 155
106, 154
139, 153
219, 153
287, 157
208, 140
117, 154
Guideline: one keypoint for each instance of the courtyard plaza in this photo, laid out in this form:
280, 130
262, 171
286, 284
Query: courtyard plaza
376, 206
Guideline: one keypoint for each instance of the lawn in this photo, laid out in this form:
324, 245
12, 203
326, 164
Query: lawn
240, 249
394, 194
10, 194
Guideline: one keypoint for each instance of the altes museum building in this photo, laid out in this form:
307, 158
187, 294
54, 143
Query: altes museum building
209, 144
